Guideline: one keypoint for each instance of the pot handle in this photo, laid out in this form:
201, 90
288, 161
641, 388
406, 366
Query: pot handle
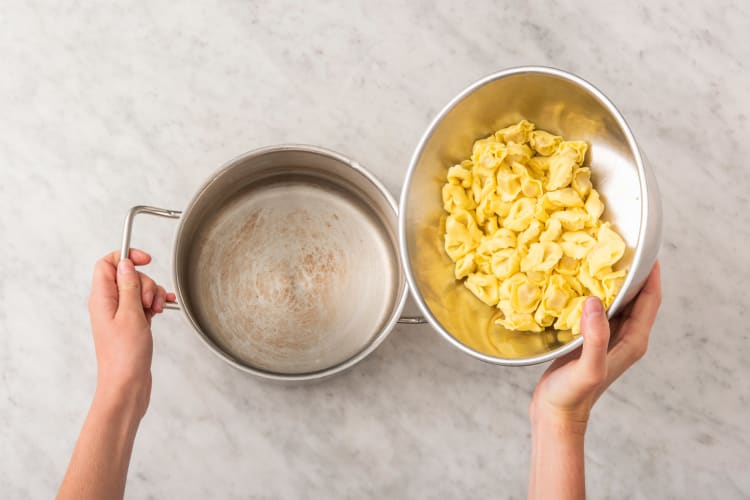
412, 320
128, 229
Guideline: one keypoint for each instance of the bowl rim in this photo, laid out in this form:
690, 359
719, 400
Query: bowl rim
403, 247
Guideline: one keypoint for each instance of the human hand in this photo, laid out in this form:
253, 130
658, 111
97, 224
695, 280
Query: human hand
572, 384
121, 306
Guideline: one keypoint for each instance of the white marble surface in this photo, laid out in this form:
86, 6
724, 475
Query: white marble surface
108, 104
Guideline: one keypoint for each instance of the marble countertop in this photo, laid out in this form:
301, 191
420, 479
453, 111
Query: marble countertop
104, 105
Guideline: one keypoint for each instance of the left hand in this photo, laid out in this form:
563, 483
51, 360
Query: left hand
122, 303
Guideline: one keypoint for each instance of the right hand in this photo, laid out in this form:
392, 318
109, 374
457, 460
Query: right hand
572, 384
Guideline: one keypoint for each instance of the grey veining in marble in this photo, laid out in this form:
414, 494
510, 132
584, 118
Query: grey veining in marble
108, 104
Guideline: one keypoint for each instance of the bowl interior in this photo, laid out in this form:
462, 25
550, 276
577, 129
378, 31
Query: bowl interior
555, 102
287, 264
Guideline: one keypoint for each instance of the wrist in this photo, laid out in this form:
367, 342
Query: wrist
557, 453
571, 422
127, 400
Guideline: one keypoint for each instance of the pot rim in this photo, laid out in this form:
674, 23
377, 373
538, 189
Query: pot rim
403, 250
378, 338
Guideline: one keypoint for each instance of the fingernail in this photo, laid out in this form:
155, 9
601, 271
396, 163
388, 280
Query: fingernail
125, 267
593, 307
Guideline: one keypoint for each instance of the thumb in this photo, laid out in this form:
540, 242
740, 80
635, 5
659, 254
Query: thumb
129, 288
595, 330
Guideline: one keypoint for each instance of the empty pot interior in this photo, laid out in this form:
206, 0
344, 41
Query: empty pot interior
287, 263
552, 103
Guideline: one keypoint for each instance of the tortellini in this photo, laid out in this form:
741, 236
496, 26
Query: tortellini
524, 229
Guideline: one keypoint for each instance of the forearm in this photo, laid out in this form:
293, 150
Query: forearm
99, 465
557, 463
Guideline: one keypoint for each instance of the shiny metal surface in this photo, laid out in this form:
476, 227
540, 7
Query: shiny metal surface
555, 101
286, 263
412, 320
128, 230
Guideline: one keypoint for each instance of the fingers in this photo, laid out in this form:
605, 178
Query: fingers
595, 330
129, 289
149, 290
616, 322
647, 303
159, 300
115, 289
635, 329
138, 257
104, 294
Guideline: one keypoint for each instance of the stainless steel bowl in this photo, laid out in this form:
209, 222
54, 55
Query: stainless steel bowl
563, 104
285, 262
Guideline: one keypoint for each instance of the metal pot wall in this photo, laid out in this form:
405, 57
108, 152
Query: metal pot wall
286, 264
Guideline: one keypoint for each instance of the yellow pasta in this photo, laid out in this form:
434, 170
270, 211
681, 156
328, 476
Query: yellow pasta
525, 232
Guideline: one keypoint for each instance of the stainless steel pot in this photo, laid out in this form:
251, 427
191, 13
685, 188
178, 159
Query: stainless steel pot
561, 103
286, 262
